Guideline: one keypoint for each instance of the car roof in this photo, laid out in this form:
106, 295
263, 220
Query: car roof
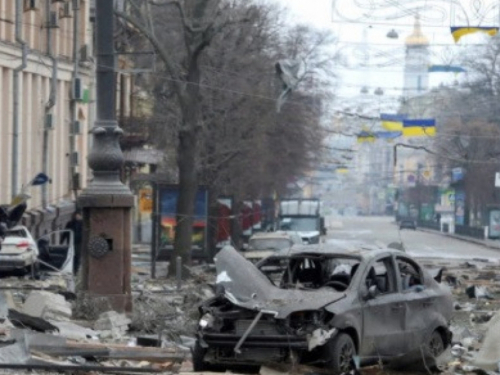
364, 251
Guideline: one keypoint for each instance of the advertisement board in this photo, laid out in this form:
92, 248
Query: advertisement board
224, 227
494, 223
459, 208
168, 196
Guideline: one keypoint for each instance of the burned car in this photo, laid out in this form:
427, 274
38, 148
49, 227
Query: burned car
323, 305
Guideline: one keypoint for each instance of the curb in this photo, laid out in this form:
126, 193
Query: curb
462, 238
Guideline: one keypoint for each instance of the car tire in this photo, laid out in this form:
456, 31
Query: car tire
198, 356
436, 345
339, 352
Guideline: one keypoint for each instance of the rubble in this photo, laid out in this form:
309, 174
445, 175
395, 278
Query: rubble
112, 324
47, 305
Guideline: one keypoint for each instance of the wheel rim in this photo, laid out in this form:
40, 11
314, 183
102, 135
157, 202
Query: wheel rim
436, 344
346, 354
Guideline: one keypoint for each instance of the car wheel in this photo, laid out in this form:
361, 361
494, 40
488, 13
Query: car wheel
339, 354
436, 345
198, 355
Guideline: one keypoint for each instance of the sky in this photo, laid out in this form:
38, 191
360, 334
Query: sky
356, 28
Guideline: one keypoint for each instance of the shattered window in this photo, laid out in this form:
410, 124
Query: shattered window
382, 275
310, 272
409, 273
17, 233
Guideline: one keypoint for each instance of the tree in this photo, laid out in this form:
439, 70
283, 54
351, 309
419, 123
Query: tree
215, 97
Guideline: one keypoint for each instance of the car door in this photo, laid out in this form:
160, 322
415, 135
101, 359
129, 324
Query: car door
418, 301
383, 315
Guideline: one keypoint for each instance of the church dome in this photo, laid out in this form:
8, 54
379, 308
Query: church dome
417, 38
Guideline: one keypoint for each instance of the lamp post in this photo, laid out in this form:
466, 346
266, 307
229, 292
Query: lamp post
106, 202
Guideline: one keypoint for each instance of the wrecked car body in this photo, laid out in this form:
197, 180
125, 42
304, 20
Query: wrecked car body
321, 305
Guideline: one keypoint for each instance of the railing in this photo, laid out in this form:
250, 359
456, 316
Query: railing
434, 225
473, 232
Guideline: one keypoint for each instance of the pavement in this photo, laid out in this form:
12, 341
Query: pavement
423, 243
492, 244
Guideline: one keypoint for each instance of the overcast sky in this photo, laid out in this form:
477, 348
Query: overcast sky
347, 23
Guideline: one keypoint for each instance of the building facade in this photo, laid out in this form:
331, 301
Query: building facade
47, 129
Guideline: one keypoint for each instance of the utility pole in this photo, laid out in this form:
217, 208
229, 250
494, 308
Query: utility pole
16, 93
107, 203
50, 103
73, 176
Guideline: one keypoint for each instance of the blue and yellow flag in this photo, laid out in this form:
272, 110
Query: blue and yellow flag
366, 136
460, 31
392, 122
419, 128
342, 170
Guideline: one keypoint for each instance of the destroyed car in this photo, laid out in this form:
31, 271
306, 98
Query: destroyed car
321, 304
19, 250
262, 245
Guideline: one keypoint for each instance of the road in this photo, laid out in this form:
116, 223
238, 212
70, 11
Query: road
383, 230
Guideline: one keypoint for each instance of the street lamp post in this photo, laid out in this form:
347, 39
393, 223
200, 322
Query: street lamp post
106, 202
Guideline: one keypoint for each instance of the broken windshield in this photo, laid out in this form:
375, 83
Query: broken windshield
299, 224
310, 271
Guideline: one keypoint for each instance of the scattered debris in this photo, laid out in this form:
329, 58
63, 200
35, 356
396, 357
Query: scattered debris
47, 305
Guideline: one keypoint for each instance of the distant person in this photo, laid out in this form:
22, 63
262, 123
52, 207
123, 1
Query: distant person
3, 233
76, 226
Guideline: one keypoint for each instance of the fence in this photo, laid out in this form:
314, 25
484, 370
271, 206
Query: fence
429, 225
473, 232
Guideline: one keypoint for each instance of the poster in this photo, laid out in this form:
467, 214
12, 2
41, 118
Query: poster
146, 200
246, 216
494, 227
459, 208
168, 196
224, 212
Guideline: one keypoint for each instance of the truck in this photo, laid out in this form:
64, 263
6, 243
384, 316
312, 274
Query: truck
302, 216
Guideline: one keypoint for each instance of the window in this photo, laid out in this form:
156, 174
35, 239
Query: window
382, 275
409, 273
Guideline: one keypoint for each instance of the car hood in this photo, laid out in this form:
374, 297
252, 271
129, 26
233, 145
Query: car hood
309, 234
245, 286
258, 254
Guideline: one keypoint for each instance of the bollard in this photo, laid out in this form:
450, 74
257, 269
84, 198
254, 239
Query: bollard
178, 268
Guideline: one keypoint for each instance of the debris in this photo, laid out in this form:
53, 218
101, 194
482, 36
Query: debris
47, 305
16, 352
21, 320
112, 324
319, 337
475, 291
73, 331
488, 356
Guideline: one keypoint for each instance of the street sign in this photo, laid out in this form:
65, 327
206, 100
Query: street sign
497, 179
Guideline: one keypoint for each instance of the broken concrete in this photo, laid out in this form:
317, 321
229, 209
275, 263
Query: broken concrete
47, 305
112, 324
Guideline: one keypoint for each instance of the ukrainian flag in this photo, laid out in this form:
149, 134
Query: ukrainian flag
393, 123
419, 128
366, 136
459, 32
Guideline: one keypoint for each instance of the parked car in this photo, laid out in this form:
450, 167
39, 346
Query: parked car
263, 244
408, 224
321, 304
19, 250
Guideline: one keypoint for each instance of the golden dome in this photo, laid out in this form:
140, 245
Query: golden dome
417, 38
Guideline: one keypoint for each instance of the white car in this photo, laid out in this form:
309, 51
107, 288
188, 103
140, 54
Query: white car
264, 244
18, 250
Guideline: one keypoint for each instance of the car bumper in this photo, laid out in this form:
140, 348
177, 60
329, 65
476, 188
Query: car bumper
255, 341
14, 262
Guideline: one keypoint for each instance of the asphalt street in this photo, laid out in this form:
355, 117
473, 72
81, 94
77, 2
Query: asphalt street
383, 230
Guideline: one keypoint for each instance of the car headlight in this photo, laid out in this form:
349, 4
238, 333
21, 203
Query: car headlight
206, 321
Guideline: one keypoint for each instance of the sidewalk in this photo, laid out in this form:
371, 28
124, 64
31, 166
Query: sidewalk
492, 244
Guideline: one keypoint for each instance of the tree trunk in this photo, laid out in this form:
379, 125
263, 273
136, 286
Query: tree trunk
188, 186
